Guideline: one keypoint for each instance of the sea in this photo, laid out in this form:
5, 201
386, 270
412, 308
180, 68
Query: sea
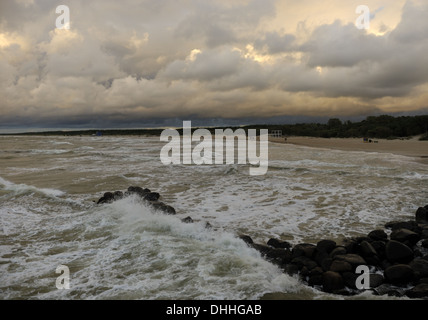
49, 217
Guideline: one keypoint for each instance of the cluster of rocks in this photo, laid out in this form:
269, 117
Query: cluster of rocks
145, 195
398, 262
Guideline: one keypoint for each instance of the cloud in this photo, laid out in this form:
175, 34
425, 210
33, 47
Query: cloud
140, 60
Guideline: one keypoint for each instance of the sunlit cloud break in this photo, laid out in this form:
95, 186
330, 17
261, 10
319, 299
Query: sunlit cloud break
139, 60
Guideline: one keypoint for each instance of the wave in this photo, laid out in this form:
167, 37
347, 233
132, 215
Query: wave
23, 188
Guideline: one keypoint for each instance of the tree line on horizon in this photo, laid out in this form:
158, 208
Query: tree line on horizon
381, 127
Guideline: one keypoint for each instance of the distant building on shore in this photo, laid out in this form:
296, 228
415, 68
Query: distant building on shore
275, 134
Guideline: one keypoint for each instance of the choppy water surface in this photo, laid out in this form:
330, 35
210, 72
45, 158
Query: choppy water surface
124, 250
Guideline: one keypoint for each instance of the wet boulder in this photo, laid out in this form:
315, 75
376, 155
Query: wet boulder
354, 260
367, 249
188, 219
419, 291
247, 239
398, 252
340, 266
303, 249
117, 195
326, 245
332, 281
399, 274
164, 208
303, 261
420, 268
108, 197
405, 236
422, 215
151, 196
378, 235
279, 244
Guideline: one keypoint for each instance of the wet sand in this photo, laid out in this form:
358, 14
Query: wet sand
411, 147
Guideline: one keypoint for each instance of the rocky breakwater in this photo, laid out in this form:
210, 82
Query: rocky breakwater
146, 196
396, 258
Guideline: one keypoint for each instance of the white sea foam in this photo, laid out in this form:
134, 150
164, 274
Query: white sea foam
22, 188
126, 251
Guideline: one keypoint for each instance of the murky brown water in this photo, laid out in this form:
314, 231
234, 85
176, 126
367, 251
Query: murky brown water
48, 186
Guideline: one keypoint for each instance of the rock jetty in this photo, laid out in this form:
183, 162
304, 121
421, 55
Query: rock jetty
145, 195
398, 262
396, 256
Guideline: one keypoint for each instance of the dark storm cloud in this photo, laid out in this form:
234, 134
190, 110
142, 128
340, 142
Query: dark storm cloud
129, 60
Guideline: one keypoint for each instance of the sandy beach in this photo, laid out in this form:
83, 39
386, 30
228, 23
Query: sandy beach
411, 147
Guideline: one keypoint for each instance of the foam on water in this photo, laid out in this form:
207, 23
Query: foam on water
23, 188
126, 251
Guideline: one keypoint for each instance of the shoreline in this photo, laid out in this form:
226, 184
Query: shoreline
412, 148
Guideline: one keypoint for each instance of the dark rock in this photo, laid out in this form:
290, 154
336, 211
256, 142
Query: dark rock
246, 239
422, 215
398, 252
385, 264
373, 261
304, 272
118, 195
303, 261
411, 225
417, 252
358, 240
376, 280
278, 244
351, 246
419, 291
332, 281
420, 268
379, 246
388, 289
303, 249
208, 225
423, 280
291, 269
399, 274
424, 233
326, 263
137, 190
340, 266
405, 236
320, 256
108, 197
160, 206
315, 280
317, 271
424, 243
261, 248
326, 245
367, 249
378, 235
187, 220
353, 259
350, 279
338, 251
152, 196
279, 255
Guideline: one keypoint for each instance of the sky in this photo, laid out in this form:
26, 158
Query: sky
158, 62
